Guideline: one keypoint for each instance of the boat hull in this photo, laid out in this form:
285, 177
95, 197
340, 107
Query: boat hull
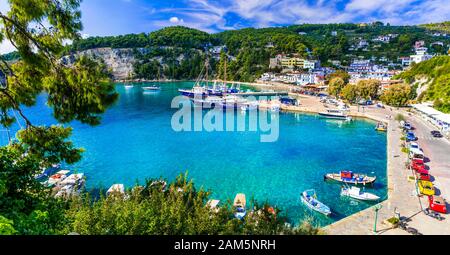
355, 181
333, 116
319, 206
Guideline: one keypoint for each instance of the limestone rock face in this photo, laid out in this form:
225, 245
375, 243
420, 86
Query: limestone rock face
119, 61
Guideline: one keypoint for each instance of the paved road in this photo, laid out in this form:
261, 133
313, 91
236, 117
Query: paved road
438, 152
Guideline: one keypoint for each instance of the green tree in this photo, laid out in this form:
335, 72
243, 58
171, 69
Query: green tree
335, 86
397, 95
368, 89
339, 74
350, 93
6, 226
79, 91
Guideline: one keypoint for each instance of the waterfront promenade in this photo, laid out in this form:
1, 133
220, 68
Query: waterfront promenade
402, 191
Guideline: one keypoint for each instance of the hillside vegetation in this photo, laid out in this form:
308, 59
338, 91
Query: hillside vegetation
440, 27
437, 72
177, 52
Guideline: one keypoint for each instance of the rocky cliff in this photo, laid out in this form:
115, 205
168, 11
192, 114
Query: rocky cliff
119, 61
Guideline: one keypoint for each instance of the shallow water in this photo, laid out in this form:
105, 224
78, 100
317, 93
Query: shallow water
135, 141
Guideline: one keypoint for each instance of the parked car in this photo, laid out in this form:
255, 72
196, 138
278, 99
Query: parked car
407, 126
410, 136
414, 146
437, 204
436, 134
426, 188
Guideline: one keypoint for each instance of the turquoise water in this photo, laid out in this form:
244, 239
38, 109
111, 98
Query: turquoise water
135, 141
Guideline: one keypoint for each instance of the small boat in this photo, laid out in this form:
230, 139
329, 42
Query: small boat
335, 114
151, 88
129, 86
381, 127
239, 204
356, 193
350, 178
309, 198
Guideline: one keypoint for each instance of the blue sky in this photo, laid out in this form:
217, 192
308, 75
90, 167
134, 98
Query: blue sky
113, 17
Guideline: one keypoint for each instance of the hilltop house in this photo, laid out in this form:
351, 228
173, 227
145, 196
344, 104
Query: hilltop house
421, 55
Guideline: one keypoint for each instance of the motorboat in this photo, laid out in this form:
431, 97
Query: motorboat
239, 205
309, 198
381, 127
351, 178
152, 88
355, 192
335, 114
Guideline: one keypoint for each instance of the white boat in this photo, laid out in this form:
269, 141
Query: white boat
335, 114
128, 86
309, 198
356, 193
239, 204
151, 88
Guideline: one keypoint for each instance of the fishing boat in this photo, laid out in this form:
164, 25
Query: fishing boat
128, 86
356, 193
239, 204
381, 127
335, 114
199, 90
350, 178
151, 88
309, 198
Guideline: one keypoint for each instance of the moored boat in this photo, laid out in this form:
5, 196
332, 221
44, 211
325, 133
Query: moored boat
381, 127
151, 88
350, 178
239, 204
309, 198
356, 193
335, 114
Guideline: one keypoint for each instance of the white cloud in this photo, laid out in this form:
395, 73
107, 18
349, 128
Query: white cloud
217, 15
176, 20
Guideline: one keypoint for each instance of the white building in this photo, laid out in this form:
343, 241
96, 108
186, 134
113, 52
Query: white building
311, 64
421, 55
435, 117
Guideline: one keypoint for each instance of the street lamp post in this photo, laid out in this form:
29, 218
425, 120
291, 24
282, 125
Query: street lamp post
376, 208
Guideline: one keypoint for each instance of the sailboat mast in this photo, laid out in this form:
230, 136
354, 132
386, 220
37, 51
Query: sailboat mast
206, 66
225, 71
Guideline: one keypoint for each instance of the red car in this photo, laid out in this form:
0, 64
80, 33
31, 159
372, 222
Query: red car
423, 176
437, 204
418, 167
418, 160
